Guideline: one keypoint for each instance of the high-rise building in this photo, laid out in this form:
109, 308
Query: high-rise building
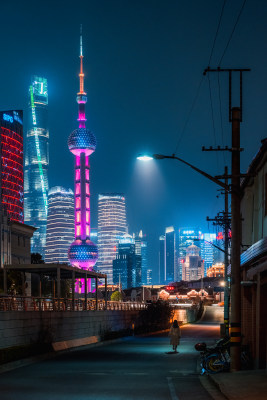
208, 251
11, 169
60, 224
161, 279
36, 163
193, 265
127, 265
186, 237
170, 255
111, 227
141, 249
82, 143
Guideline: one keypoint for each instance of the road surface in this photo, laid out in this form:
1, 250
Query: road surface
133, 368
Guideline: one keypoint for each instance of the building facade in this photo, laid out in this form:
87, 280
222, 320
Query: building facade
186, 237
161, 277
208, 251
111, 227
141, 249
170, 255
193, 265
36, 163
253, 258
127, 270
60, 224
11, 169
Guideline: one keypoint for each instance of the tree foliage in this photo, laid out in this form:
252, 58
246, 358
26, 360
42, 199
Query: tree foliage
156, 316
116, 296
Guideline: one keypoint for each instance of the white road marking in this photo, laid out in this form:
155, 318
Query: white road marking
172, 389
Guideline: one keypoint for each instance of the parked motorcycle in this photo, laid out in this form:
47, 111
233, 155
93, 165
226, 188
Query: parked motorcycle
216, 358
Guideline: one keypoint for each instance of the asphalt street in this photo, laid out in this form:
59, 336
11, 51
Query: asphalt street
133, 368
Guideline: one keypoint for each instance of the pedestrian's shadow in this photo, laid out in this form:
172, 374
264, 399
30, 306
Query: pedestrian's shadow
172, 352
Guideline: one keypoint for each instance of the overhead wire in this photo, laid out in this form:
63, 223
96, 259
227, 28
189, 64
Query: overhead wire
189, 114
217, 31
233, 30
220, 108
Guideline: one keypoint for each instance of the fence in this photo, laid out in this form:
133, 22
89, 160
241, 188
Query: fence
22, 303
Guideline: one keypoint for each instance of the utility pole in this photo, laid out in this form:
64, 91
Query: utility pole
235, 117
224, 220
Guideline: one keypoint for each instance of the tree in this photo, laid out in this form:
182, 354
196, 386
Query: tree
116, 296
36, 258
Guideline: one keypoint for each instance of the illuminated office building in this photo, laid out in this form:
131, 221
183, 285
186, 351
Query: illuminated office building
161, 278
193, 265
208, 251
36, 163
170, 255
60, 224
82, 252
127, 265
141, 249
186, 238
11, 170
111, 227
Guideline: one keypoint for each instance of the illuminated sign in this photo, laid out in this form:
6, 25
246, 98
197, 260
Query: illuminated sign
219, 236
188, 232
39, 88
11, 119
8, 118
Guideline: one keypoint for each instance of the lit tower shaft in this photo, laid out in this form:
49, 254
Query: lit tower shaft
82, 252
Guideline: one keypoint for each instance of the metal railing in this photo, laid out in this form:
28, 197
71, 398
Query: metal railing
21, 303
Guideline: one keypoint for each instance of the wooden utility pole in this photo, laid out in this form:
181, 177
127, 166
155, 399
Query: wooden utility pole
235, 117
235, 331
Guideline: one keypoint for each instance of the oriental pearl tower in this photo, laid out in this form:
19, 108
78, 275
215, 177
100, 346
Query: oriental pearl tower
83, 252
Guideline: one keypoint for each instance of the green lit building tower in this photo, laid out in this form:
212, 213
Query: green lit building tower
36, 163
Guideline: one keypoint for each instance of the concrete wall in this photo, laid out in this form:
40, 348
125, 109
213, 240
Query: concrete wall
24, 328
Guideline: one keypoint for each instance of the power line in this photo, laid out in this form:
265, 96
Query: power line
220, 103
212, 117
231, 35
189, 114
217, 31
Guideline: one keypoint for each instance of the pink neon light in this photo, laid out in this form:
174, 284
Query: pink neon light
87, 174
87, 202
78, 230
78, 175
78, 161
87, 190
87, 161
78, 216
87, 216
78, 202
78, 188
87, 230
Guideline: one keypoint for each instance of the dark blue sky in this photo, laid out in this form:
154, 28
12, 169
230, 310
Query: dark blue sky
143, 64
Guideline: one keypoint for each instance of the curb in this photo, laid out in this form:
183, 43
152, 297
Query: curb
217, 385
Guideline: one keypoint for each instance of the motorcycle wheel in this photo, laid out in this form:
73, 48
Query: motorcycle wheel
209, 364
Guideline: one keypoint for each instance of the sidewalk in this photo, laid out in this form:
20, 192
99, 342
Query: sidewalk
245, 385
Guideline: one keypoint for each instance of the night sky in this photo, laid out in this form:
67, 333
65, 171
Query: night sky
143, 64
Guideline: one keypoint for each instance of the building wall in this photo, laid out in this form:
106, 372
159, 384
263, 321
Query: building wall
60, 224
25, 328
111, 227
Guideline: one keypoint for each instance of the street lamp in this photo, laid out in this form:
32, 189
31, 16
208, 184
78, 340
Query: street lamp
218, 182
173, 157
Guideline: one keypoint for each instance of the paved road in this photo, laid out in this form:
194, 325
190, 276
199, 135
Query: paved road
134, 368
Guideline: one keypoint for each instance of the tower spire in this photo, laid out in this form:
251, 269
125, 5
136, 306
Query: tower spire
81, 74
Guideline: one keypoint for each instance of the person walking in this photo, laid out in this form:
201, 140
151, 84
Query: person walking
175, 334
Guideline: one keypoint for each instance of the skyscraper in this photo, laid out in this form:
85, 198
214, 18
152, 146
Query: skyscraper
141, 249
207, 250
193, 265
60, 224
127, 265
36, 163
186, 237
170, 255
82, 252
161, 278
111, 227
11, 169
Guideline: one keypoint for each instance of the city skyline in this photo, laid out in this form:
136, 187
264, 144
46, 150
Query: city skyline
162, 74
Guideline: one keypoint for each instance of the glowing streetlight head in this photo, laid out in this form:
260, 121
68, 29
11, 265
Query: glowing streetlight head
143, 157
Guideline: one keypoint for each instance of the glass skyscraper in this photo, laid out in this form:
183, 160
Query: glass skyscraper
60, 224
36, 163
111, 227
